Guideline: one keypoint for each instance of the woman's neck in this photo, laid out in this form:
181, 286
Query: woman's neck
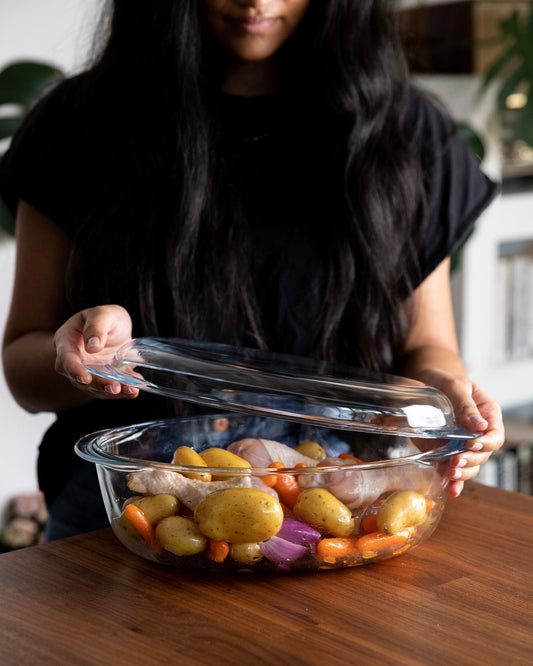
252, 78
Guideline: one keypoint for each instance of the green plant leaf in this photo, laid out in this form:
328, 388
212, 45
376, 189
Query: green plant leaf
8, 126
510, 84
496, 67
455, 259
522, 127
24, 82
510, 25
7, 221
472, 138
529, 22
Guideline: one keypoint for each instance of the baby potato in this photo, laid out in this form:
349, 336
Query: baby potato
245, 553
184, 455
157, 507
312, 450
154, 507
404, 508
239, 515
221, 458
320, 509
181, 536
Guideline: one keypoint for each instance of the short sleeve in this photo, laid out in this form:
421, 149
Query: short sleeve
54, 161
457, 190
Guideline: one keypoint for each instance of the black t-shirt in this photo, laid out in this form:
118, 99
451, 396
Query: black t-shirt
67, 156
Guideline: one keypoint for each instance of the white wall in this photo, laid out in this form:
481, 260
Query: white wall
57, 32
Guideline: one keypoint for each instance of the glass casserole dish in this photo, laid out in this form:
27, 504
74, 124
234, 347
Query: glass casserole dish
301, 466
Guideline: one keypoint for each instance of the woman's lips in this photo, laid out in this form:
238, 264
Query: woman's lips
256, 26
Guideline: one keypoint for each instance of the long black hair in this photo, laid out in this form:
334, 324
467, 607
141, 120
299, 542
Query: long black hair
160, 73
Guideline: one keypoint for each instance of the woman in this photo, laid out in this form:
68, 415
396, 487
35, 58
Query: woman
256, 172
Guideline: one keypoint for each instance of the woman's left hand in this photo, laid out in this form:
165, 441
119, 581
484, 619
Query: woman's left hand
479, 413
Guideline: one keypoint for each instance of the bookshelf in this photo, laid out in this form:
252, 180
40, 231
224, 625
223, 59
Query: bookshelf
496, 321
512, 467
496, 329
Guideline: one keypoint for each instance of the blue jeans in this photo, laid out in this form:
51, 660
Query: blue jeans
78, 508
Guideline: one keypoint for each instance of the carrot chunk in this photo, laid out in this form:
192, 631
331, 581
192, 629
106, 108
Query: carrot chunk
370, 523
217, 551
270, 479
142, 525
337, 548
287, 488
348, 456
373, 543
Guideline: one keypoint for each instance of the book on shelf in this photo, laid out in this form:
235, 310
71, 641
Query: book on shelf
514, 314
525, 469
510, 469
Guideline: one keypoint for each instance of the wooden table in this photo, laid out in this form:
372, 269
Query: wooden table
463, 597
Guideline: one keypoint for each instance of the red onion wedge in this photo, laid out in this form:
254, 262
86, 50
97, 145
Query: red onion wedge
281, 551
297, 532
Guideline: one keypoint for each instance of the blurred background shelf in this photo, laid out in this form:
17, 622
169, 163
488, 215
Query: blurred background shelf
451, 46
512, 467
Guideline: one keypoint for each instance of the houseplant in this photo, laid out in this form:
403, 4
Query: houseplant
21, 85
512, 72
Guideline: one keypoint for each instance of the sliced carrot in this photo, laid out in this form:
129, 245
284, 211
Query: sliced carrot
302, 464
143, 526
430, 504
373, 543
285, 485
217, 551
348, 456
270, 479
402, 549
287, 488
337, 548
370, 523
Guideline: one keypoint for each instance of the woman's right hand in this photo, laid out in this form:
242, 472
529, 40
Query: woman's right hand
84, 338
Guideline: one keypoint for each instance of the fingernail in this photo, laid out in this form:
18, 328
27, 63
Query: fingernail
477, 420
455, 474
110, 389
92, 343
475, 446
461, 463
83, 379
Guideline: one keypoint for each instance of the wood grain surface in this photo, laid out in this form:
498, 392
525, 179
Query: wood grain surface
463, 597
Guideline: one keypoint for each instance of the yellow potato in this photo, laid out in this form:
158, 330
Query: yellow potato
404, 508
221, 458
154, 507
312, 450
239, 515
323, 511
184, 455
157, 507
181, 536
245, 553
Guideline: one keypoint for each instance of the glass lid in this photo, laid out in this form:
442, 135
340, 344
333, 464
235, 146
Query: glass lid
281, 386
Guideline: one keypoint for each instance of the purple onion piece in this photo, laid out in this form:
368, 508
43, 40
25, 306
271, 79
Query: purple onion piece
281, 551
297, 532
